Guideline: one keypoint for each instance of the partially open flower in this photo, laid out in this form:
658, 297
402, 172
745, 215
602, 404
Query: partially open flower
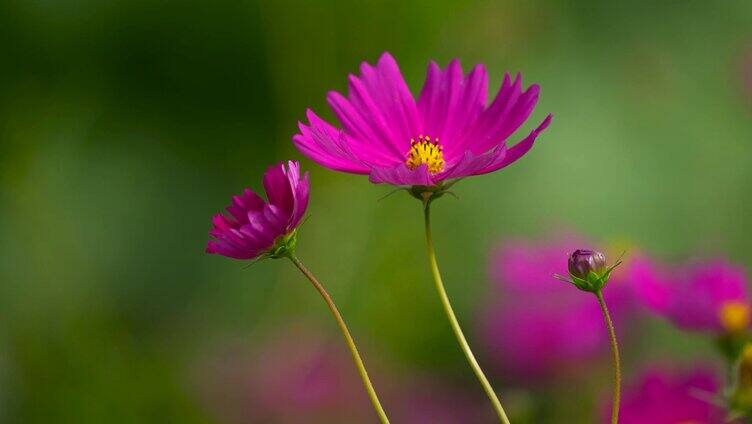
256, 228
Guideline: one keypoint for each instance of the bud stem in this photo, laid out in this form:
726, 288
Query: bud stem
348, 338
615, 357
453, 319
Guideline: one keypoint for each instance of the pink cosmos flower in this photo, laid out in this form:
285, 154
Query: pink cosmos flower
537, 328
256, 227
449, 133
705, 296
660, 397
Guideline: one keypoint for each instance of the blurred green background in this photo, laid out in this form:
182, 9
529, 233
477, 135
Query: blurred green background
125, 125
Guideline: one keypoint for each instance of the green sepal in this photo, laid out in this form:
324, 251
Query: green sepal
428, 194
284, 247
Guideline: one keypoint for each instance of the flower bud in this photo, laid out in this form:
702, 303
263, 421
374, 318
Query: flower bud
588, 270
584, 261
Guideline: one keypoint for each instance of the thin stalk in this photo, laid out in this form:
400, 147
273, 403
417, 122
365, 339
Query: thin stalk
348, 339
615, 356
455, 324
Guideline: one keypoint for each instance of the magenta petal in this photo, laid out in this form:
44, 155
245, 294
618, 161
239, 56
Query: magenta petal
369, 134
327, 146
485, 132
301, 203
471, 163
247, 201
465, 111
388, 89
439, 96
515, 152
519, 113
278, 189
401, 176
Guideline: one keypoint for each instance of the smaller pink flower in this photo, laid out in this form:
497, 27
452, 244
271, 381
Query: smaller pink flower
660, 397
256, 227
705, 296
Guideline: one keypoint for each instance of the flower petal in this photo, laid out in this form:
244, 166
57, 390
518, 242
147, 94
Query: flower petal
241, 204
450, 103
383, 98
400, 175
506, 113
278, 188
327, 146
515, 152
301, 202
471, 162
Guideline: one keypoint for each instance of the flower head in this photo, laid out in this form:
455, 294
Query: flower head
662, 397
537, 329
448, 133
705, 296
258, 228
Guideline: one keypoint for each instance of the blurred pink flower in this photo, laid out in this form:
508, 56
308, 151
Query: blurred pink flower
704, 296
255, 225
660, 397
450, 132
296, 378
430, 401
537, 328
292, 378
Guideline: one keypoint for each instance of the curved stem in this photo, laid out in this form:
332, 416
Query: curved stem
453, 320
348, 339
615, 355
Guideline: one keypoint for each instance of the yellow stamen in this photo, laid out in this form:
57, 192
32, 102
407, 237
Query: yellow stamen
735, 316
425, 151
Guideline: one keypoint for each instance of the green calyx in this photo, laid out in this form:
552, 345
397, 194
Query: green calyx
427, 194
284, 247
593, 282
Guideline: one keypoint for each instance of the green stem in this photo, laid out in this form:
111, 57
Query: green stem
453, 320
615, 355
348, 339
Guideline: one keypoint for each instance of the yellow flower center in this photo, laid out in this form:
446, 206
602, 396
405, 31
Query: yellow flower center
425, 151
735, 316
